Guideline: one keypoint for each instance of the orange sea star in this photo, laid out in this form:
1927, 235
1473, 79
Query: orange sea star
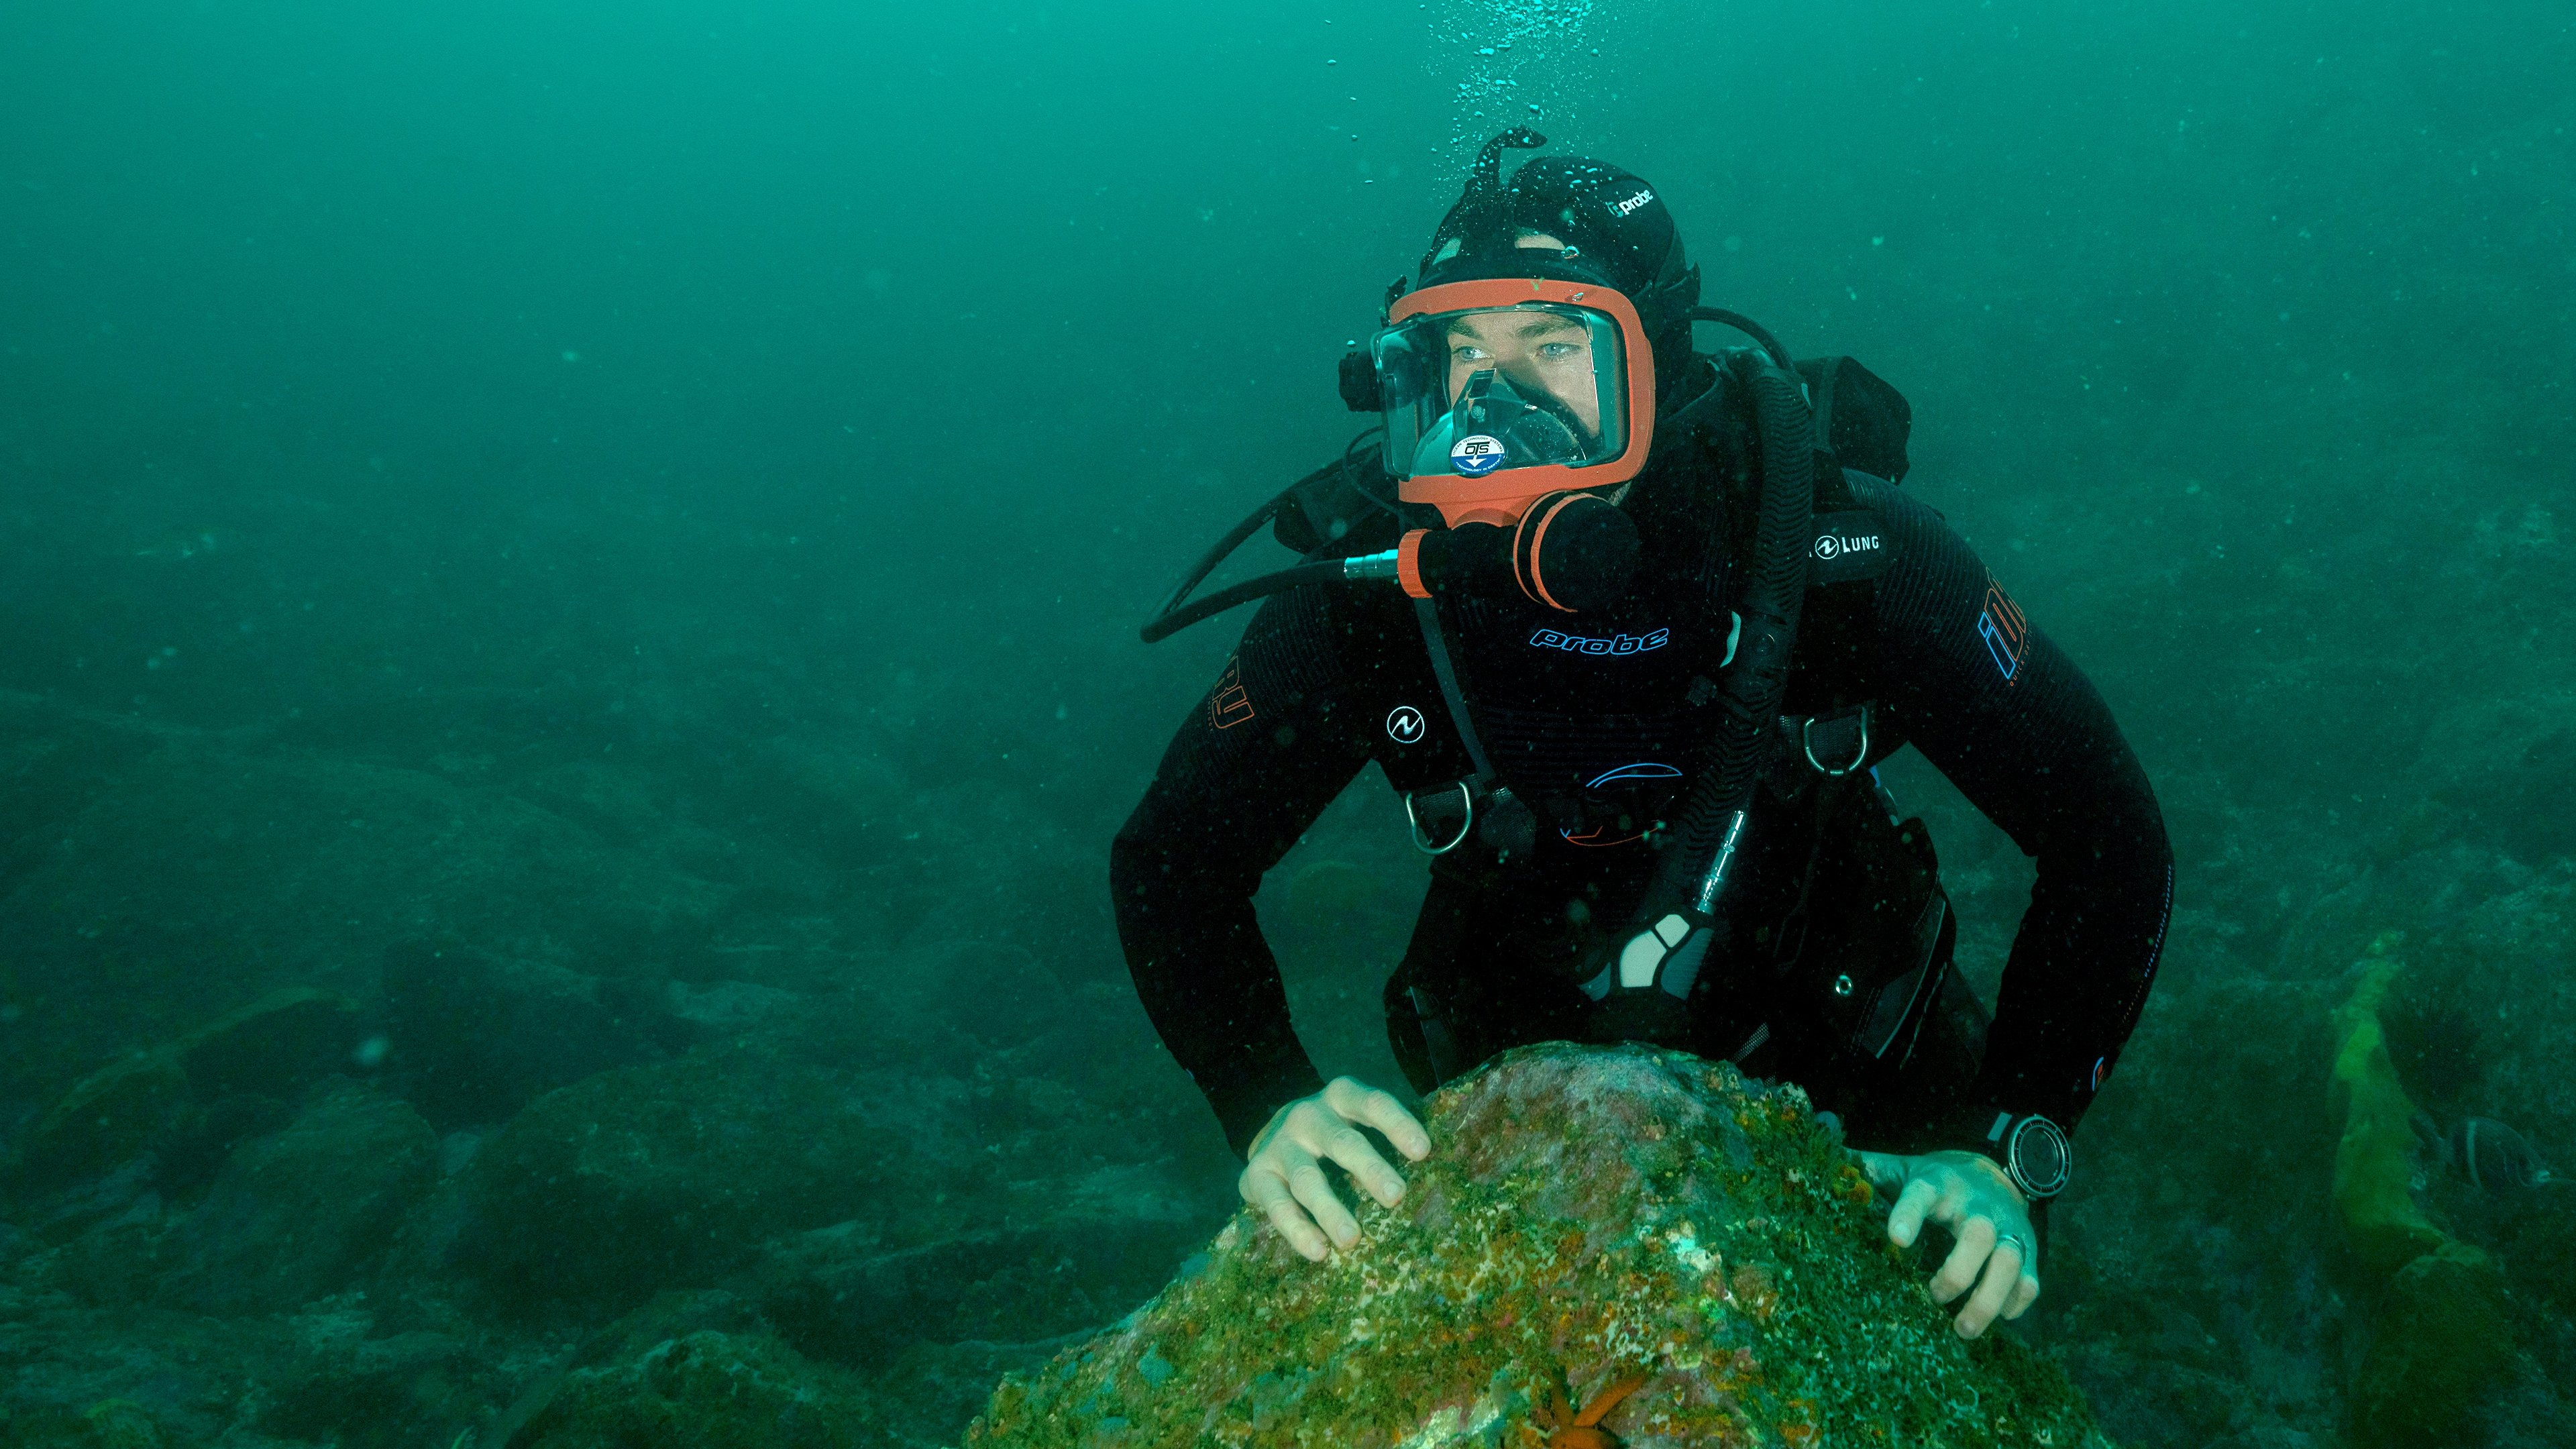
1570, 1430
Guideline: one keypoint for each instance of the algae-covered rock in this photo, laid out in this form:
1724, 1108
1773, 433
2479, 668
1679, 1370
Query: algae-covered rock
107, 1118
835, 1294
1587, 1215
707, 1390
295, 1214
670, 1175
2444, 1341
144, 1101
474, 1038
108, 1424
274, 1046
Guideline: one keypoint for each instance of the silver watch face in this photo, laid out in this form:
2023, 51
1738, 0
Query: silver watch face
2039, 1157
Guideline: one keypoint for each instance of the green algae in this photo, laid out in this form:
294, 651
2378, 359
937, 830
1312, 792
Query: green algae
2443, 1344
2375, 1160
2443, 1337
1586, 1213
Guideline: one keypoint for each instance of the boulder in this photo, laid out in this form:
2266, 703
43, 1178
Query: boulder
821, 1167
991, 994
199, 877
670, 1175
54, 760
2442, 1344
471, 1038
107, 1118
275, 1047
708, 1390
298, 1214
191, 1098
2500, 769
1064, 1262
1622, 1234
107, 1424
412, 1388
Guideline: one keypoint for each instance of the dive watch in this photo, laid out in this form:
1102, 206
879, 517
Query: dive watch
2034, 1151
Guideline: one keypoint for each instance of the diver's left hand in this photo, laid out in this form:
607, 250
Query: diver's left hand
1968, 1194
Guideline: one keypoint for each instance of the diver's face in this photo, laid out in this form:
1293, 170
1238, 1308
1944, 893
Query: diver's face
1534, 351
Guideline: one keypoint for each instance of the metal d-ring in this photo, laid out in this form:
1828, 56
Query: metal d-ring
1807, 746
1422, 842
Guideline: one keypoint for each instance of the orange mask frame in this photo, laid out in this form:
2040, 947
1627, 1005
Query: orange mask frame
1500, 498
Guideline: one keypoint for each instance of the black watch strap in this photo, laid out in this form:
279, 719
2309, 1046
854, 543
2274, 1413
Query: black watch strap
2034, 1151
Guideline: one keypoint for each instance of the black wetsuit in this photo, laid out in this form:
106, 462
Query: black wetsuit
1597, 721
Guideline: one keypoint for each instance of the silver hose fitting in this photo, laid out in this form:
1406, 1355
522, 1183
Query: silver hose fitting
1370, 566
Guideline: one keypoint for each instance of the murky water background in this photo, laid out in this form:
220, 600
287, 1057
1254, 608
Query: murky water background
601, 545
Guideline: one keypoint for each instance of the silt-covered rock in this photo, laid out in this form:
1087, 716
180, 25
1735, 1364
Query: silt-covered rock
1587, 1216
708, 1390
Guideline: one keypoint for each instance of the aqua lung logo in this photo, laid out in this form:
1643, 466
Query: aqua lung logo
1632, 203
1615, 644
1846, 545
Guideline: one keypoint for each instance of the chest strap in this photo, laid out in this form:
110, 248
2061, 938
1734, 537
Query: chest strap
1436, 644
1509, 827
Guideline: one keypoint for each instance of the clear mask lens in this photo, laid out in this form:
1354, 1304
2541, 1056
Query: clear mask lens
1471, 393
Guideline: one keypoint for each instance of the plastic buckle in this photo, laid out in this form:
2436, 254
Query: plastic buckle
1807, 747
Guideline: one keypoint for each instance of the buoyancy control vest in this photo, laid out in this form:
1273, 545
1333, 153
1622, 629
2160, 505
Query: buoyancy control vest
1840, 934
1847, 934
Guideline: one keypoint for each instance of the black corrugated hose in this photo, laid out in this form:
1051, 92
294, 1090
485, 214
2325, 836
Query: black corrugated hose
1751, 685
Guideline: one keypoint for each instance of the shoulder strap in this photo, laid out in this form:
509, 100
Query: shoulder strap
1821, 375
1834, 630
1860, 419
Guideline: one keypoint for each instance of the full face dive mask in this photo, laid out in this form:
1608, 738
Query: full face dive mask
1517, 389
1513, 398
1500, 390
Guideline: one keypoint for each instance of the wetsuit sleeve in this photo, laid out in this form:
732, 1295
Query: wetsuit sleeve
1256, 762
2023, 734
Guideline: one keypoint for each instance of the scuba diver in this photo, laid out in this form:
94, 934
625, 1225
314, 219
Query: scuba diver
1629, 626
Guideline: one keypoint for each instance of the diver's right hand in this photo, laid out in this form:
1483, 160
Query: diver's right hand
1283, 1175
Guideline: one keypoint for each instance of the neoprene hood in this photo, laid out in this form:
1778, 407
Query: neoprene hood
1613, 218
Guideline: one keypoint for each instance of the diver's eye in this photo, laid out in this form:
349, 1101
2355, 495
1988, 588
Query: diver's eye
1464, 352
1559, 351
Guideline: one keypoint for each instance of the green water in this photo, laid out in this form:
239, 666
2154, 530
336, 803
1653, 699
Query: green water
657, 498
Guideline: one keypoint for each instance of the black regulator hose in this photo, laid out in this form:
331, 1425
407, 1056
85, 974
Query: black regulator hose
1643, 986
1750, 328
1218, 552
1177, 617
1751, 686
1179, 612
